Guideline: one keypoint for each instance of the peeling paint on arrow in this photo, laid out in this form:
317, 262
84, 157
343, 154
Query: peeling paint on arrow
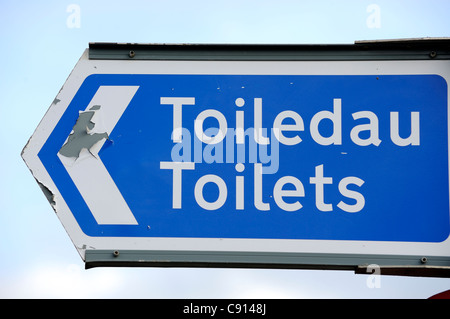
80, 138
48, 194
80, 155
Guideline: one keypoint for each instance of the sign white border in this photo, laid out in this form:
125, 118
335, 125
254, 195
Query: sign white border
86, 67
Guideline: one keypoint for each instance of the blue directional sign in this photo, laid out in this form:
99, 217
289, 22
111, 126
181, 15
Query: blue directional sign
355, 158
213, 155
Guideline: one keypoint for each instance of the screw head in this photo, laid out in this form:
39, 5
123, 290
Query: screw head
131, 54
116, 253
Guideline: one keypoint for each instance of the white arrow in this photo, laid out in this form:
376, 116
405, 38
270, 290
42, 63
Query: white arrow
79, 155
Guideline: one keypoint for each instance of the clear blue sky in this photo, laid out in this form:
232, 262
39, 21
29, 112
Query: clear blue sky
41, 43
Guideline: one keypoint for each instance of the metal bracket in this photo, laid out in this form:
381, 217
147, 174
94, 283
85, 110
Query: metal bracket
403, 49
360, 264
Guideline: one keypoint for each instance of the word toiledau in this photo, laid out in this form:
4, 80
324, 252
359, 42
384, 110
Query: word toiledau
361, 134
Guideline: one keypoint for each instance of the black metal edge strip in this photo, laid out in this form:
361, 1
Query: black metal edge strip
388, 264
389, 50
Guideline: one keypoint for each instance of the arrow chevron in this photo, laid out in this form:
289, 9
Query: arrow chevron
80, 158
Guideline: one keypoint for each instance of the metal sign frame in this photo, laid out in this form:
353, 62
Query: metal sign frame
218, 253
